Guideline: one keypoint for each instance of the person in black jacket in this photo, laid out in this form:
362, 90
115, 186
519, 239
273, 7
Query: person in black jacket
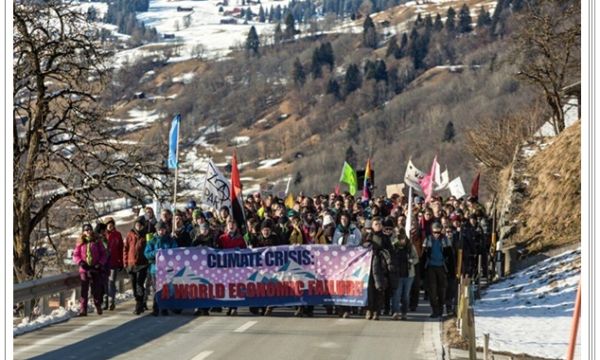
439, 260
470, 243
378, 280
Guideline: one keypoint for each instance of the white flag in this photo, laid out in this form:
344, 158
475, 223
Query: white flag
443, 181
412, 177
410, 211
216, 192
456, 188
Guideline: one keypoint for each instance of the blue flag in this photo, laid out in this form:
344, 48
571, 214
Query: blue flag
173, 140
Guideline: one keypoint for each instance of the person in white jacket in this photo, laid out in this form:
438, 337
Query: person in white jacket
346, 233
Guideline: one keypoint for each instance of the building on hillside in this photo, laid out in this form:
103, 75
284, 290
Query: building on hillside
229, 21
184, 9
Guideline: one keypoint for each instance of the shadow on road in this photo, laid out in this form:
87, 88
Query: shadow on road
119, 340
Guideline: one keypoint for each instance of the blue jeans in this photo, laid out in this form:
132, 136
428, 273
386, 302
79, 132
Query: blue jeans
401, 295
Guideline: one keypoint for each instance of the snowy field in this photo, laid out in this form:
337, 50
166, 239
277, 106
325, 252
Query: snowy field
530, 312
205, 26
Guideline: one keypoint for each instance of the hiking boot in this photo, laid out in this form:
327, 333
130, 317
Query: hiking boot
376, 316
228, 312
234, 312
105, 302
298, 312
396, 316
268, 311
112, 306
368, 315
346, 315
99, 310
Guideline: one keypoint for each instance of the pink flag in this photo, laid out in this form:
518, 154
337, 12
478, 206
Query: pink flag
427, 181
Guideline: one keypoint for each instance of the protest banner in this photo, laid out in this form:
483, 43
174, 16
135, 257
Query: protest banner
394, 189
279, 276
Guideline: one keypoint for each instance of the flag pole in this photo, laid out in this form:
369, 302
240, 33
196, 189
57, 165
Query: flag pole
409, 214
176, 176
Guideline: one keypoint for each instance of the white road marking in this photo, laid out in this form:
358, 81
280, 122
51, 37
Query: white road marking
203, 355
246, 326
79, 330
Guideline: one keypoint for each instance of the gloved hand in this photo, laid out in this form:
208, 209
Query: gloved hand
84, 265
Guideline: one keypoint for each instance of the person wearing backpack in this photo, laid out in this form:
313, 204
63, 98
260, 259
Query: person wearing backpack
439, 260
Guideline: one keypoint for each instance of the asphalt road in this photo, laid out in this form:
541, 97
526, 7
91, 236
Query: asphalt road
122, 335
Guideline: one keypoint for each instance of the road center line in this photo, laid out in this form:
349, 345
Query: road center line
246, 326
203, 355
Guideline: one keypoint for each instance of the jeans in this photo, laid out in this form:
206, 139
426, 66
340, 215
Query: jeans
401, 295
137, 280
112, 284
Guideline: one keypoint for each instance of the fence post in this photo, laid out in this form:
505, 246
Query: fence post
62, 299
471, 339
44, 305
27, 308
486, 346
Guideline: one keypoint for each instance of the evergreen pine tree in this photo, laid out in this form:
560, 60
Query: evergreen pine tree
428, 23
353, 131
370, 70
298, 73
438, 25
249, 14
290, 30
369, 33
464, 20
381, 71
393, 49
333, 87
326, 55
449, 133
415, 50
483, 18
261, 15
351, 156
404, 41
451, 20
353, 79
271, 12
252, 41
315, 66
277, 35
418, 21
277, 15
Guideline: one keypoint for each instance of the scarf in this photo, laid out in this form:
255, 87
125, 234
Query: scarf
88, 250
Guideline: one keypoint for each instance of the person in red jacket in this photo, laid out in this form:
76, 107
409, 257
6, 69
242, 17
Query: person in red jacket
231, 239
135, 261
115, 248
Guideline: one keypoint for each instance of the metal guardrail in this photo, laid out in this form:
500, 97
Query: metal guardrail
66, 285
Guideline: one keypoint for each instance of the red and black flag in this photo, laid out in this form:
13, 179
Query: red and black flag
475, 187
237, 201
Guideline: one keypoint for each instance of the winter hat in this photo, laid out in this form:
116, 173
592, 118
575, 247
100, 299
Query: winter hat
197, 213
141, 220
266, 224
418, 200
191, 204
161, 225
436, 226
109, 220
388, 222
86, 226
327, 219
208, 215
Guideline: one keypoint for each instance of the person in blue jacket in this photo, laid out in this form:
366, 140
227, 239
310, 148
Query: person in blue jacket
161, 240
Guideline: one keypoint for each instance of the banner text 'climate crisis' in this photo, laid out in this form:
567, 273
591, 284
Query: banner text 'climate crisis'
257, 259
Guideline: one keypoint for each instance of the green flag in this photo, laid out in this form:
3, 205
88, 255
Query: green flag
349, 177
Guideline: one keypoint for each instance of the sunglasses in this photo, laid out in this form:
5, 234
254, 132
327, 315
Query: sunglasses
87, 229
436, 232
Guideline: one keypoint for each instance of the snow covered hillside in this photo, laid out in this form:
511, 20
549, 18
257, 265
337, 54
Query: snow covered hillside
204, 22
530, 312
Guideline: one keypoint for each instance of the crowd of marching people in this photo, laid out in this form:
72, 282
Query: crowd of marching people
404, 262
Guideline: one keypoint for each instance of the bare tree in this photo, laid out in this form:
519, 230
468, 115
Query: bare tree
64, 148
494, 140
549, 42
